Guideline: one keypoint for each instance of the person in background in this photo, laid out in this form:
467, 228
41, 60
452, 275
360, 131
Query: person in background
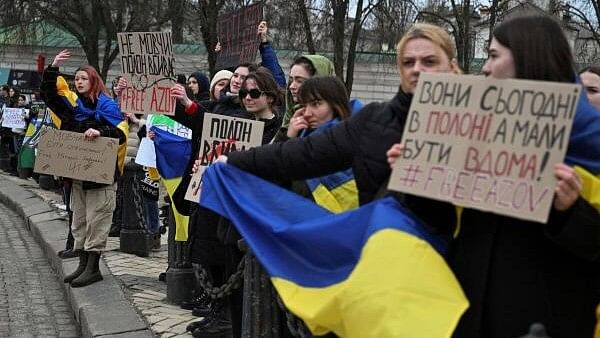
590, 78
219, 82
93, 113
324, 104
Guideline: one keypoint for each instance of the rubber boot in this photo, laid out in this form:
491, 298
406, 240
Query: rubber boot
91, 273
83, 259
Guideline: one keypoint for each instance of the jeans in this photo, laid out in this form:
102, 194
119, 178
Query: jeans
151, 214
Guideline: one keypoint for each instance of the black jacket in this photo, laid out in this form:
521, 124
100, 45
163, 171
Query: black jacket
55, 102
360, 143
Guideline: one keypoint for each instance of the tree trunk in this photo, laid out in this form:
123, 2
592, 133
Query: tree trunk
340, 9
310, 44
352, 48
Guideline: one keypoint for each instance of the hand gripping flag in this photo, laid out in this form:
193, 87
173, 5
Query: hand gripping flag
365, 273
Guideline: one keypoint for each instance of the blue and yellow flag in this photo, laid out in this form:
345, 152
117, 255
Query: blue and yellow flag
106, 111
366, 273
173, 153
584, 142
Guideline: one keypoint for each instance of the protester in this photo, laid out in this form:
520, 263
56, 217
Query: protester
360, 142
324, 104
3, 95
199, 85
507, 266
590, 78
92, 112
219, 82
19, 133
261, 97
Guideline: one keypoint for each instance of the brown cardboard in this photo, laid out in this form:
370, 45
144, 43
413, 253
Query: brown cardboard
147, 62
237, 34
69, 154
221, 135
486, 143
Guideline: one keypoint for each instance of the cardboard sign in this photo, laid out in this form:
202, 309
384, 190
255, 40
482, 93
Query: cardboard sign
13, 118
69, 154
147, 63
485, 143
221, 135
237, 34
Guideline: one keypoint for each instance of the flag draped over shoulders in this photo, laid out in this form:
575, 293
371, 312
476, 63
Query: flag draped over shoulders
370, 272
106, 111
584, 142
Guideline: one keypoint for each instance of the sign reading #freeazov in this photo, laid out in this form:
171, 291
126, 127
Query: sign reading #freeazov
485, 143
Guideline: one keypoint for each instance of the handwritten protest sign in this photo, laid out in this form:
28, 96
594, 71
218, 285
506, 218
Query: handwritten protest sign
147, 63
486, 143
237, 35
220, 136
69, 154
13, 118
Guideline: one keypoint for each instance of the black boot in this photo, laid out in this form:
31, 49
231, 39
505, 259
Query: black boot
83, 259
91, 273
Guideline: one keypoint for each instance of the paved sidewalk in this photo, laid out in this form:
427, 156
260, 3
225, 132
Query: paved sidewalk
129, 302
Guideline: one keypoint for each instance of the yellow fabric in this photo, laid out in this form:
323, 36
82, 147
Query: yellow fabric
597, 334
55, 119
417, 296
590, 190
62, 89
30, 130
122, 149
181, 221
459, 211
153, 174
340, 199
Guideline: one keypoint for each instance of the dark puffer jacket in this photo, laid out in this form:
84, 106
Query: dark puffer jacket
360, 143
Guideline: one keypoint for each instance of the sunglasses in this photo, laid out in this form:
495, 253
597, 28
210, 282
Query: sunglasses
254, 93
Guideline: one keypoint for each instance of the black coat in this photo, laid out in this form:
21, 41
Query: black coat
516, 273
513, 272
360, 143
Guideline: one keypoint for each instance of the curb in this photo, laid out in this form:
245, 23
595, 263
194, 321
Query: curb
101, 310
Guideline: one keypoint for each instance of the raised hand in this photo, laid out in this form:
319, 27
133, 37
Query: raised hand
262, 31
64, 55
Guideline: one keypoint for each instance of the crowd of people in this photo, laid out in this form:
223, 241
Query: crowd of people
321, 144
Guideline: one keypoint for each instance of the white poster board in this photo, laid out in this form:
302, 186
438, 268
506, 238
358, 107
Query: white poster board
14, 118
485, 143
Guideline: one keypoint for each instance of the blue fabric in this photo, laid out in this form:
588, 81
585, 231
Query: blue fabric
294, 238
173, 153
106, 111
269, 60
584, 142
356, 105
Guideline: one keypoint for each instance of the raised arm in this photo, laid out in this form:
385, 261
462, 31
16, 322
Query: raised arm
300, 158
268, 55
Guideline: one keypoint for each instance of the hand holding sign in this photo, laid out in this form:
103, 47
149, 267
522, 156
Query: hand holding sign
568, 187
91, 133
64, 55
394, 154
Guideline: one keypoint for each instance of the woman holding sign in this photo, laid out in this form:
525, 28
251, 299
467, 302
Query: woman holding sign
515, 272
92, 112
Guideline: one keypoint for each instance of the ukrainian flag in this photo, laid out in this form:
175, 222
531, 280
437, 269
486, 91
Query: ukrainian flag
366, 273
106, 111
336, 192
172, 155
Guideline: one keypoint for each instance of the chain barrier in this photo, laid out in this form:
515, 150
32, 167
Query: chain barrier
234, 281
